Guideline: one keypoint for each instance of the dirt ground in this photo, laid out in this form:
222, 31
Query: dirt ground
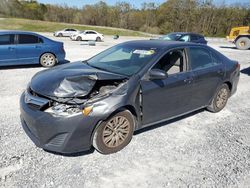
199, 150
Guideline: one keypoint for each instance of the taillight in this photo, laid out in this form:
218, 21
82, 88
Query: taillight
238, 65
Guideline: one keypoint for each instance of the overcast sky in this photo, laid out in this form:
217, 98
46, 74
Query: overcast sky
136, 3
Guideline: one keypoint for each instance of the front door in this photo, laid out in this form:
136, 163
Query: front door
169, 97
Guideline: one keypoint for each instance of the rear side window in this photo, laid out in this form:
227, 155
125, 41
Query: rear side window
6, 39
216, 59
200, 58
28, 39
194, 37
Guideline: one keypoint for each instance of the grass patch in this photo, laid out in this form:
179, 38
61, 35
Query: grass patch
44, 26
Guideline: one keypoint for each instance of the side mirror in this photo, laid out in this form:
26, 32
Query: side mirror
157, 74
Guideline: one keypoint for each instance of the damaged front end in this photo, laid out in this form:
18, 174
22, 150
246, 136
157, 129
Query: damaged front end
76, 95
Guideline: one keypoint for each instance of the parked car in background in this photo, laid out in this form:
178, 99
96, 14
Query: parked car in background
102, 101
87, 35
185, 37
65, 32
21, 47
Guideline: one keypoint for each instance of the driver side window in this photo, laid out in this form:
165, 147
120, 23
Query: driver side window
172, 62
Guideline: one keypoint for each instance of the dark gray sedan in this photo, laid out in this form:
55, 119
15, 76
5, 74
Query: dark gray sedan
102, 101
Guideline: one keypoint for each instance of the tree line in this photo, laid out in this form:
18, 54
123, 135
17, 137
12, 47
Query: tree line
201, 16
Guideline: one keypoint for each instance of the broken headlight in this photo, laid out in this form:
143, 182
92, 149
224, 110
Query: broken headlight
63, 109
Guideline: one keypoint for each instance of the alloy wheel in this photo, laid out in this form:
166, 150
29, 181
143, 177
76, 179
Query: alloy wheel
221, 99
48, 60
116, 131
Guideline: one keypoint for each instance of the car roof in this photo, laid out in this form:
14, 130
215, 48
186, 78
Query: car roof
91, 30
186, 33
161, 44
16, 32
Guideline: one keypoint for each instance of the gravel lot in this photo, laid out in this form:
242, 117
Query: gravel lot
199, 150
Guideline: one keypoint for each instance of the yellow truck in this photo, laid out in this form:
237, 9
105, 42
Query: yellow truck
240, 36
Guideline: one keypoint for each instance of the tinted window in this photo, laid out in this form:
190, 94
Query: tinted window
6, 39
92, 32
40, 40
28, 39
216, 59
67, 29
194, 37
200, 58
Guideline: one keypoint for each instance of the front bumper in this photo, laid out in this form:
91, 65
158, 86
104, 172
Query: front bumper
69, 134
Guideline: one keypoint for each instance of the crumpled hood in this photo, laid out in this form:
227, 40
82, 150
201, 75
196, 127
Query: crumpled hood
70, 80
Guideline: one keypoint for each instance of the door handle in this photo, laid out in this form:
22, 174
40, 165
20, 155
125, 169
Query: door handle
188, 80
220, 71
11, 48
37, 46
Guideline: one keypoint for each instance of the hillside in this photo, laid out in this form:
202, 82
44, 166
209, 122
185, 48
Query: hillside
44, 26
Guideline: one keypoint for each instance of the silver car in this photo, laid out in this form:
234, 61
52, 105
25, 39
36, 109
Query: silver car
66, 32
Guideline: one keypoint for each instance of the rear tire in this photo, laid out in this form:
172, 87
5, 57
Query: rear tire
220, 99
98, 39
115, 133
48, 60
243, 43
79, 38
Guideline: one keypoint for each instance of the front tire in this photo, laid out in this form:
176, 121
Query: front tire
60, 35
243, 43
115, 133
220, 99
48, 60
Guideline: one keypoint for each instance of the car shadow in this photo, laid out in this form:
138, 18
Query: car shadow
228, 47
7, 67
155, 126
77, 154
246, 71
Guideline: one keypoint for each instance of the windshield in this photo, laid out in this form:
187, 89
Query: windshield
171, 36
123, 59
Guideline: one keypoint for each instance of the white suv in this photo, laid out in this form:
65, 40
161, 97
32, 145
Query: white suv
87, 35
66, 32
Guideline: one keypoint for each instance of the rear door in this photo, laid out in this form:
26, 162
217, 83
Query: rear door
208, 73
29, 48
7, 49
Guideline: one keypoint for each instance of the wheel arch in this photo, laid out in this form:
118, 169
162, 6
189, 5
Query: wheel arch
130, 108
239, 36
229, 84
